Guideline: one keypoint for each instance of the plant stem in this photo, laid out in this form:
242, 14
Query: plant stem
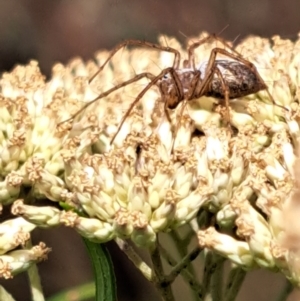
187, 276
5, 295
183, 264
136, 259
213, 276
182, 247
288, 288
234, 283
34, 279
163, 287
217, 279
208, 270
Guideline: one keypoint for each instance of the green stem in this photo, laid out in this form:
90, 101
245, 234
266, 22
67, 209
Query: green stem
34, 280
136, 259
182, 248
208, 271
183, 264
5, 295
217, 279
234, 283
187, 276
163, 287
288, 288
188, 238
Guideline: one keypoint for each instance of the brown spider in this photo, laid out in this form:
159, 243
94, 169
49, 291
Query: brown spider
223, 79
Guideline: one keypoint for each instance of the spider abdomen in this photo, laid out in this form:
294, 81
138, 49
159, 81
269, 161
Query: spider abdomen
239, 79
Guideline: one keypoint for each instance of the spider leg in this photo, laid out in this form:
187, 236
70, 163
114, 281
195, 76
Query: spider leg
140, 95
140, 43
207, 80
208, 76
193, 46
106, 93
226, 94
211, 69
178, 124
236, 56
189, 96
193, 86
179, 94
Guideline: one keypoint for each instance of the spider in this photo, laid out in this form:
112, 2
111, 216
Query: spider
223, 79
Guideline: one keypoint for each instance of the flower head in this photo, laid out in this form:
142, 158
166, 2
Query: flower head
162, 169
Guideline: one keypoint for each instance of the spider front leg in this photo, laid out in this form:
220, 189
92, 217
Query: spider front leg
139, 43
106, 93
171, 90
153, 82
186, 97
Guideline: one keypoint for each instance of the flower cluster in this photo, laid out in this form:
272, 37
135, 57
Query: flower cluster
158, 174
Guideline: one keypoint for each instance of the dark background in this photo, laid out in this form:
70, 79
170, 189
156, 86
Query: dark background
52, 31
56, 30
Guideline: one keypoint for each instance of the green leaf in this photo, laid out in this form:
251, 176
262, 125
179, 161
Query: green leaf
104, 272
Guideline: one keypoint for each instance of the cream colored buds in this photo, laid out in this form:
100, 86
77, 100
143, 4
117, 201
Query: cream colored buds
44, 217
14, 232
18, 261
164, 166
